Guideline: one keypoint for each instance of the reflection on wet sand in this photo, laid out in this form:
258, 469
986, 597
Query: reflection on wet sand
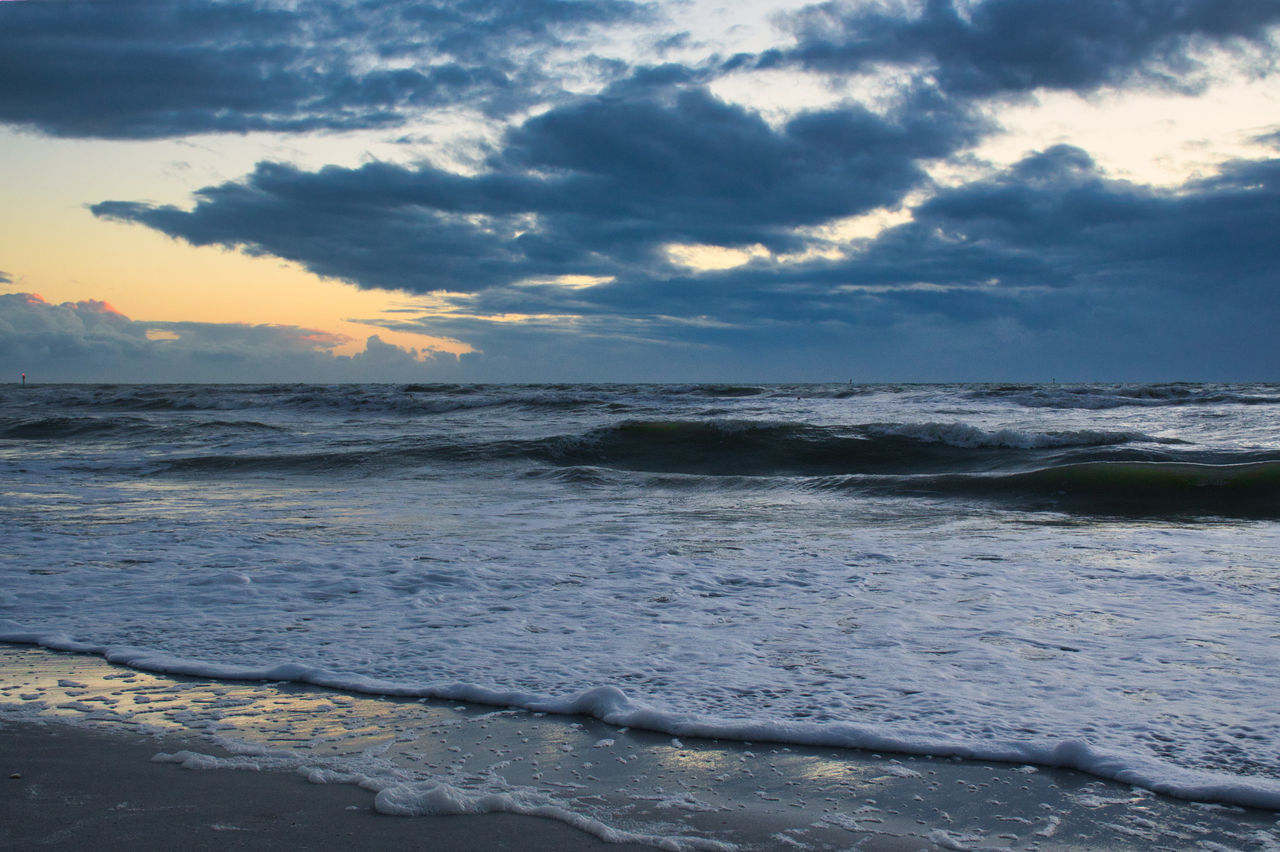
637, 784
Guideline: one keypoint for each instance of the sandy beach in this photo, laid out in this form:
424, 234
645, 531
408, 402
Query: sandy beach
96, 752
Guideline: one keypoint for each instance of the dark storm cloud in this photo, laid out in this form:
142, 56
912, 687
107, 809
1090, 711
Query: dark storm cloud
1052, 222
1050, 267
1051, 251
1015, 46
591, 188
137, 69
1055, 219
994, 247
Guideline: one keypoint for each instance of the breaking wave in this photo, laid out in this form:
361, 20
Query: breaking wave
1132, 489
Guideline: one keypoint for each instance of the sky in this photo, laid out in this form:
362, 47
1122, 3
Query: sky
609, 190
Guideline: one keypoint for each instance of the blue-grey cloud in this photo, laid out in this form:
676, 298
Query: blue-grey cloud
595, 187
614, 181
1016, 46
137, 69
1049, 268
1271, 138
1059, 218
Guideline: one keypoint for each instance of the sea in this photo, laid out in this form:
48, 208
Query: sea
1070, 575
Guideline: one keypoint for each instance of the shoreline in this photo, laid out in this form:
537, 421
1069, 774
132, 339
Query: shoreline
610, 707
84, 788
572, 782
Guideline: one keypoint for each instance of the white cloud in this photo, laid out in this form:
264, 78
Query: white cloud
90, 341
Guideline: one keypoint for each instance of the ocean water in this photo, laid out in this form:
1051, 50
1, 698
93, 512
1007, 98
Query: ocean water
1080, 576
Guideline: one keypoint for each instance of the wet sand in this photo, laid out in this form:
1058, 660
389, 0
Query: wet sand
115, 758
86, 789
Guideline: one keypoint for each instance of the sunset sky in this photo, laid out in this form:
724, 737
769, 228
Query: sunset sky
679, 190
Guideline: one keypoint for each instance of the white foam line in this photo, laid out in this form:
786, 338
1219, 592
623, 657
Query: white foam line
611, 705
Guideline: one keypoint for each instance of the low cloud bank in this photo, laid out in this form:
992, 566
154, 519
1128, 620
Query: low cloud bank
90, 341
